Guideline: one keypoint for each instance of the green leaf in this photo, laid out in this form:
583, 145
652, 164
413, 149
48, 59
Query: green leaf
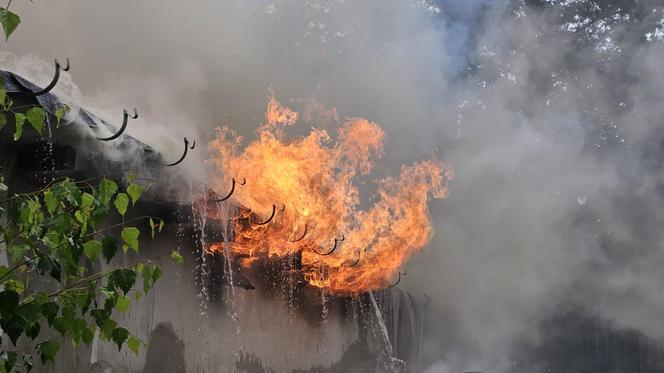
82, 216
87, 200
83, 300
10, 21
130, 237
3, 116
120, 336
88, 298
19, 119
121, 203
8, 302
13, 326
122, 279
150, 276
60, 113
14, 285
51, 202
98, 213
110, 302
40, 298
3, 93
77, 328
92, 249
123, 304
66, 323
52, 239
152, 228
134, 343
16, 251
87, 335
100, 316
47, 350
107, 189
108, 328
134, 191
109, 247
3, 187
146, 273
50, 311
69, 191
33, 330
35, 117
30, 213
177, 257
156, 273
30, 311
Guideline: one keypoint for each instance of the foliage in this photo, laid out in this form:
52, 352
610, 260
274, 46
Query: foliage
55, 240
58, 286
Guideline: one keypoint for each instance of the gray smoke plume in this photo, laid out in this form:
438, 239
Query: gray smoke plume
550, 112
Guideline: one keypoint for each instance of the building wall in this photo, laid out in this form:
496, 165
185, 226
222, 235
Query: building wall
186, 331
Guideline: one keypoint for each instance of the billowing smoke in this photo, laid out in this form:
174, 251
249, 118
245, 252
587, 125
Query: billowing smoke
549, 111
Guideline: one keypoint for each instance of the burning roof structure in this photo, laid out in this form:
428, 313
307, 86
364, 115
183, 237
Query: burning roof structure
278, 243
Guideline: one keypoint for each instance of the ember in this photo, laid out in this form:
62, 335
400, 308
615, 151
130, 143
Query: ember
299, 195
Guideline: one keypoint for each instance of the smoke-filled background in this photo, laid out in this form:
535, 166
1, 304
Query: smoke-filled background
548, 251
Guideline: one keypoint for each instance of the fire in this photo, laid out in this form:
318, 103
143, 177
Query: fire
309, 185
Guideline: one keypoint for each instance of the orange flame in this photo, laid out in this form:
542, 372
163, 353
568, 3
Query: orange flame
345, 249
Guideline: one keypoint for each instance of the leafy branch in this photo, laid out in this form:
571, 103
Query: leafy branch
54, 234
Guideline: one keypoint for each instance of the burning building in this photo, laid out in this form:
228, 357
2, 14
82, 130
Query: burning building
547, 253
286, 268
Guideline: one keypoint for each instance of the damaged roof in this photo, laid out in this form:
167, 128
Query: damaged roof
99, 147
24, 90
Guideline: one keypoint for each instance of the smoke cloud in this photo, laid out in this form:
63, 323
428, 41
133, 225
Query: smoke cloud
549, 111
